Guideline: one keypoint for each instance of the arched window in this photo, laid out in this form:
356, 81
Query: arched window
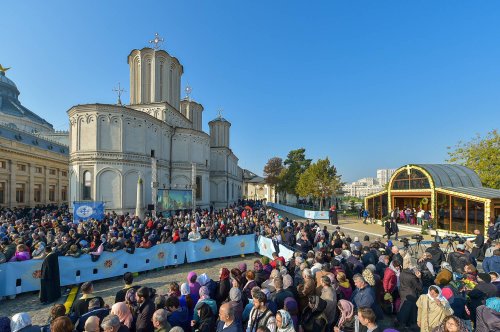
87, 185
415, 180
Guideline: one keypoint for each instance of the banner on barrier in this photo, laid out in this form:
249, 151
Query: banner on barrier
265, 247
19, 277
206, 249
320, 215
286, 253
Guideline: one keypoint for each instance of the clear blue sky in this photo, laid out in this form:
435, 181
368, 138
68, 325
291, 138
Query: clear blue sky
370, 84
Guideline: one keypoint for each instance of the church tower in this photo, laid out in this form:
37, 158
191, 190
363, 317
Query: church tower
219, 132
155, 77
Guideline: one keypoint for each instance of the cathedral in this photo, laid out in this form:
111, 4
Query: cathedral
156, 140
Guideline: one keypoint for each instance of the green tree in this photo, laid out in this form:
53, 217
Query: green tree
272, 172
320, 180
482, 155
295, 165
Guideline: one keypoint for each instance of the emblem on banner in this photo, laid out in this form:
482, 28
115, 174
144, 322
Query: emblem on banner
207, 249
108, 263
84, 211
37, 274
161, 255
242, 244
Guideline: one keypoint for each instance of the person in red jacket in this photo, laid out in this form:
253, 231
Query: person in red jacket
277, 258
391, 277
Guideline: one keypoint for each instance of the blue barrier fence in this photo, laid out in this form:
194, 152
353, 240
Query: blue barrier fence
20, 277
308, 214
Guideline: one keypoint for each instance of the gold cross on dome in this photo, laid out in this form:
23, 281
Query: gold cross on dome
119, 92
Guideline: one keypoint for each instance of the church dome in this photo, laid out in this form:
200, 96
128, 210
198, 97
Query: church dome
7, 81
14, 113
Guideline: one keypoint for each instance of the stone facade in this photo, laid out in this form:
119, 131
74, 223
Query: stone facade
111, 146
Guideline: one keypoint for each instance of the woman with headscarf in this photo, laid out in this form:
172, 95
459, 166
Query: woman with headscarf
292, 307
206, 322
488, 316
236, 304
284, 321
313, 316
347, 320
187, 300
131, 301
204, 298
194, 286
433, 308
21, 322
123, 312
223, 286
306, 289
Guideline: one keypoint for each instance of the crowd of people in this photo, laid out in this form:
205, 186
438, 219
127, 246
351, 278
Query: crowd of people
334, 282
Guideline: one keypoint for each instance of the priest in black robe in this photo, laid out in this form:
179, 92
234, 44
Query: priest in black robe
50, 289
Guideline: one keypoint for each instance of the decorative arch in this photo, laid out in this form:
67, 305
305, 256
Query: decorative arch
109, 187
411, 178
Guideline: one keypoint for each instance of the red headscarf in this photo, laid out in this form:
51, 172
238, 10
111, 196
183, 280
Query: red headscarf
225, 274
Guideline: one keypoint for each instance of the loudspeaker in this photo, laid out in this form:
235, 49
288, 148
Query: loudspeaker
151, 207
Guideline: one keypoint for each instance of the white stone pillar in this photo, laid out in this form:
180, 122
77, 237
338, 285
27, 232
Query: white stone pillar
139, 205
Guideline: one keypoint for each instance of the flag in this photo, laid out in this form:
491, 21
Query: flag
88, 210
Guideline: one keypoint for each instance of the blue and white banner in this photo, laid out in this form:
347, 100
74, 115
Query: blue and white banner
206, 249
20, 277
88, 210
286, 253
265, 247
319, 215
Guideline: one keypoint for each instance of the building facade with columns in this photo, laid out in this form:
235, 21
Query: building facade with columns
33, 167
158, 137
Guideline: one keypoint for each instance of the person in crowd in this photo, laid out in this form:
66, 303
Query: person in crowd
459, 259
187, 300
347, 319
121, 310
488, 315
280, 294
410, 288
433, 308
260, 315
94, 309
306, 289
92, 324
21, 322
284, 322
483, 290
145, 310
50, 289
206, 322
492, 263
236, 305
194, 285
314, 318
81, 306
436, 254
445, 275
111, 323
128, 279
204, 298
177, 315
160, 321
329, 295
223, 286
368, 319
227, 322
57, 310
61, 324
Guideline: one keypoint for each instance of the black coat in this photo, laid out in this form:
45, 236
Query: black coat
437, 256
145, 313
50, 288
223, 288
410, 286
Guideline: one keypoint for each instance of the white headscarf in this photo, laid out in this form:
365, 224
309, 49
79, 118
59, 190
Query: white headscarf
440, 297
20, 321
185, 289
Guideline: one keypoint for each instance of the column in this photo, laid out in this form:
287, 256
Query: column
59, 187
11, 198
45, 191
30, 191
